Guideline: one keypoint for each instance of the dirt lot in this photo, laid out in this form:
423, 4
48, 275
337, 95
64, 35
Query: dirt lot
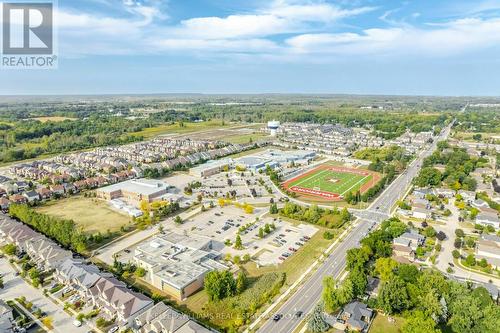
91, 214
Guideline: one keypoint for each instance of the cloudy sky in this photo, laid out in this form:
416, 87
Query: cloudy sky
431, 47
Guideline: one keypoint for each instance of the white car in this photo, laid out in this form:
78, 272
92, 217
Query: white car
113, 329
77, 323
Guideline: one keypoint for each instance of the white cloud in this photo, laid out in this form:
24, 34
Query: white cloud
278, 18
442, 40
308, 22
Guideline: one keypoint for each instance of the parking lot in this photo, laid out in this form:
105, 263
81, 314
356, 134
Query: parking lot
223, 224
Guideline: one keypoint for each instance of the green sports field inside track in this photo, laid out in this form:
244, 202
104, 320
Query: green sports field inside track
329, 182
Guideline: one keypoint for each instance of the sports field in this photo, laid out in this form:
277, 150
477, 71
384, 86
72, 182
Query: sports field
329, 182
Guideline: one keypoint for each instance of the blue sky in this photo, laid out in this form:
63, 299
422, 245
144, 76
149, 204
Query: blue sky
429, 47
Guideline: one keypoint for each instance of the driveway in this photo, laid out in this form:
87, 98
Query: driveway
15, 286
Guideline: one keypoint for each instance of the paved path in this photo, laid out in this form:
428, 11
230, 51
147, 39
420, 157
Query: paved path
15, 286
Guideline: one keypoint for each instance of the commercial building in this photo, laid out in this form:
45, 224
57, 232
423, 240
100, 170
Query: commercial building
177, 264
211, 168
274, 158
134, 190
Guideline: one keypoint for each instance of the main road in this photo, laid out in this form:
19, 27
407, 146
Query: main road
307, 296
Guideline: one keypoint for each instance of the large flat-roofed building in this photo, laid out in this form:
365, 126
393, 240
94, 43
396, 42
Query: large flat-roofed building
177, 264
210, 168
134, 190
274, 158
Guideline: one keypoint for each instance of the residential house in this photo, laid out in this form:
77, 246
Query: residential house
4, 203
57, 189
18, 199
354, 316
44, 193
6, 318
31, 196
116, 301
373, 286
78, 275
421, 213
159, 319
488, 247
480, 203
467, 196
445, 193
488, 219
45, 253
413, 237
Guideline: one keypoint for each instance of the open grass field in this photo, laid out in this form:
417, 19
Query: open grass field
331, 183
381, 324
177, 128
91, 214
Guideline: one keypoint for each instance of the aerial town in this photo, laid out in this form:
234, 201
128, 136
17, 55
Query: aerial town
168, 233
225, 166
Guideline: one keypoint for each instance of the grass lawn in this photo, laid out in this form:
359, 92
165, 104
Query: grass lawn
244, 138
382, 325
177, 129
91, 214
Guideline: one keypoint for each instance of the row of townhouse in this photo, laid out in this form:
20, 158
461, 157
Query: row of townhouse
44, 193
53, 172
158, 149
94, 162
98, 289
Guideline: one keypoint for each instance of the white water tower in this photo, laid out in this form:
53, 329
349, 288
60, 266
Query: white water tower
273, 125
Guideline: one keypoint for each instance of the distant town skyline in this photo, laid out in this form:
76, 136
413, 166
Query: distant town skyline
282, 46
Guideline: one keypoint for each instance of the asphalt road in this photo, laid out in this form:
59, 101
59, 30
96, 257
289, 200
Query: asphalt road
307, 296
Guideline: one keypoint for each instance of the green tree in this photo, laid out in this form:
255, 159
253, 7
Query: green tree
385, 268
140, 272
237, 243
317, 323
418, 322
428, 176
394, 296
241, 282
219, 285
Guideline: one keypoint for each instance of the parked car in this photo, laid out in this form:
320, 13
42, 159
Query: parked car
292, 249
299, 314
113, 329
277, 317
77, 323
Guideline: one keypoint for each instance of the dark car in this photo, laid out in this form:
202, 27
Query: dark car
299, 314
277, 317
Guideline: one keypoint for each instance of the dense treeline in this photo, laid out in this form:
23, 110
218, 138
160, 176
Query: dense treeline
428, 301
104, 123
28, 139
458, 165
389, 173
333, 218
65, 232
479, 120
